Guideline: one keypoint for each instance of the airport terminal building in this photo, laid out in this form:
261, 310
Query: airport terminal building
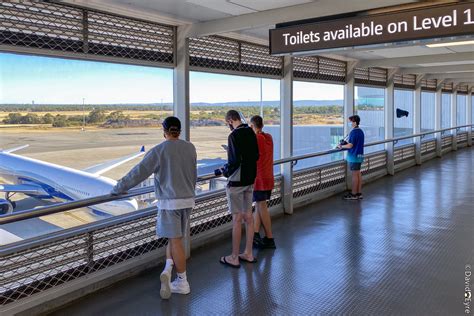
85, 86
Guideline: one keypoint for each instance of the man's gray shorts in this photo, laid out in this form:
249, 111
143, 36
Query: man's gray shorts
172, 223
239, 199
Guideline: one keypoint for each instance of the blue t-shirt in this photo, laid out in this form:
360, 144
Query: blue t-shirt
356, 138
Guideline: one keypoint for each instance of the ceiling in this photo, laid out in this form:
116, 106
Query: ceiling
250, 20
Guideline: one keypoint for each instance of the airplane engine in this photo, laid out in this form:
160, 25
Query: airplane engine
5, 207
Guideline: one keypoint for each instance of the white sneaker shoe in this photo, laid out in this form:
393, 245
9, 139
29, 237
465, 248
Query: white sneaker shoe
180, 286
165, 291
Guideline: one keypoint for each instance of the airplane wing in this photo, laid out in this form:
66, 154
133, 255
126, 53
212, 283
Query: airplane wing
109, 165
14, 149
23, 188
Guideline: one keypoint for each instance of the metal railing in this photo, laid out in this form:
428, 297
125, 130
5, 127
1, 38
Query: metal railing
66, 206
126, 241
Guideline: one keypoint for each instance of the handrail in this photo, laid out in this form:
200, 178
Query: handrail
61, 207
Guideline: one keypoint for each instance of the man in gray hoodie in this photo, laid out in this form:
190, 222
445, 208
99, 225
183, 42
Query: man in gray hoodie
173, 163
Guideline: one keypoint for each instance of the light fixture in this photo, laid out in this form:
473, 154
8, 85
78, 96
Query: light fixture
451, 44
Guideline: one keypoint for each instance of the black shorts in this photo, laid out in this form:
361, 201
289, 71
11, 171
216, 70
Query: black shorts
259, 196
355, 166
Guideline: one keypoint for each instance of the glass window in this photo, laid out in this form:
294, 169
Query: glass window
461, 104
317, 121
79, 114
212, 95
369, 105
446, 112
428, 100
403, 115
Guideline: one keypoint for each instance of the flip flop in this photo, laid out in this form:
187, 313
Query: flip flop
248, 261
225, 262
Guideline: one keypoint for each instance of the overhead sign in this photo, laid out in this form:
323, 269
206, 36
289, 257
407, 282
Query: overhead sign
423, 23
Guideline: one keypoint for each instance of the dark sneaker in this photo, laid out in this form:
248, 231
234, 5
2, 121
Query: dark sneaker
360, 196
350, 196
268, 243
257, 240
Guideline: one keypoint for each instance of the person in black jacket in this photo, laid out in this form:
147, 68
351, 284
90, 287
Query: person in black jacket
240, 171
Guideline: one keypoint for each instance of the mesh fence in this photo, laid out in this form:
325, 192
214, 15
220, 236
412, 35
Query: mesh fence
403, 154
447, 141
429, 84
229, 55
58, 27
447, 87
428, 147
319, 178
463, 89
461, 137
37, 269
371, 76
374, 163
319, 68
404, 81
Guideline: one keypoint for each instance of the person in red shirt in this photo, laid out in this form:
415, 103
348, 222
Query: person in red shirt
263, 185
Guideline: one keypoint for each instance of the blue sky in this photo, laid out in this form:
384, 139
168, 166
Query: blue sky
24, 79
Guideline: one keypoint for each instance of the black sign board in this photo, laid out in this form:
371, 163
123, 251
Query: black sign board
422, 23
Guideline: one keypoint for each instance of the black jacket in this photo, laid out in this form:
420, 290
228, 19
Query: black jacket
242, 156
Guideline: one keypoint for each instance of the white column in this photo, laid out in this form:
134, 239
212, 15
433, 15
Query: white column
181, 82
439, 136
181, 106
389, 110
348, 110
469, 117
417, 121
286, 130
454, 102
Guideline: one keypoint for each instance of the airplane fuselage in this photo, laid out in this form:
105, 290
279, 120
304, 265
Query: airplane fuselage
62, 182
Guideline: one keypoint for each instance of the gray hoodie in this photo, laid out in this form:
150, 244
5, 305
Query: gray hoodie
173, 164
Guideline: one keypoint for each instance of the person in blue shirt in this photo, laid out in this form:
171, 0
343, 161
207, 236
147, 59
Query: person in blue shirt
355, 156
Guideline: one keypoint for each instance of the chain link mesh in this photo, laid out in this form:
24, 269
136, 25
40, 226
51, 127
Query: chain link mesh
318, 178
428, 147
319, 68
215, 52
403, 154
37, 269
463, 89
447, 87
446, 141
371, 76
55, 26
373, 163
429, 84
407, 81
461, 137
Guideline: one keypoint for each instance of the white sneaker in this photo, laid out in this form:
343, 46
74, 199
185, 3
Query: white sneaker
180, 286
165, 291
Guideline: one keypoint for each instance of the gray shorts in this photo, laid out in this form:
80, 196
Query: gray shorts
172, 223
239, 199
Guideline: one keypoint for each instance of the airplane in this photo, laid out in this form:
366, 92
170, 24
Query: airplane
44, 180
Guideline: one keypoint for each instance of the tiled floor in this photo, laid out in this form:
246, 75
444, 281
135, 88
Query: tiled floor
402, 250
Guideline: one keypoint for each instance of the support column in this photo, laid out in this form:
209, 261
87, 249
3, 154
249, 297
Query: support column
469, 117
286, 130
181, 106
417, 119
348, 111
454, 107
389, 111
439, 136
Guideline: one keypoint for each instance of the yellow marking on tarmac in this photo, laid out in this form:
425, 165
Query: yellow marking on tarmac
65, 220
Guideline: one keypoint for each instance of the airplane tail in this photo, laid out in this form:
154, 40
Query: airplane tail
13, 149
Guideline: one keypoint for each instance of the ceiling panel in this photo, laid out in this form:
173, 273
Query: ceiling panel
223, 6
268, 4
